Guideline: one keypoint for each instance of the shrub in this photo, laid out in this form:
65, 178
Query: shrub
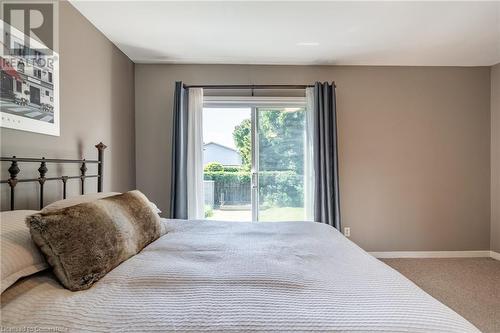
208, 211
277, 188
232, 169
213, 167
281, 188
241, 177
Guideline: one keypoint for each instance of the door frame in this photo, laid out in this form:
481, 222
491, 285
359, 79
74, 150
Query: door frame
254, 171
253, 103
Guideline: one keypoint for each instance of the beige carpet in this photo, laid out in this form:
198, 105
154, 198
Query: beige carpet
470, 286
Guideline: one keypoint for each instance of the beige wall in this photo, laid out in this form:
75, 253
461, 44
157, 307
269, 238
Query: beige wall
97, 104
414, 146
495, 158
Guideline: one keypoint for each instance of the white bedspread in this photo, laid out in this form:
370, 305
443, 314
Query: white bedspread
229, 276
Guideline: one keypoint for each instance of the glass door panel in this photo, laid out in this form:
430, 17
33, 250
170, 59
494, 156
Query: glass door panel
227, 148
279, 159
257, 163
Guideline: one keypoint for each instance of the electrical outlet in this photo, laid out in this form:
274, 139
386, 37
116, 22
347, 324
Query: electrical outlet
347, 231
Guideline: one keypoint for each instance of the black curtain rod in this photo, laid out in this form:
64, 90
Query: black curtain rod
249, 86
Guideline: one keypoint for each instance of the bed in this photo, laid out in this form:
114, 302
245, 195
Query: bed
236, 277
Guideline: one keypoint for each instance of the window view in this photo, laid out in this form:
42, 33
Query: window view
281, 135
255, 166
226, 163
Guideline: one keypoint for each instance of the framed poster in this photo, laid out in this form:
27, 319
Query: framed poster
29, 84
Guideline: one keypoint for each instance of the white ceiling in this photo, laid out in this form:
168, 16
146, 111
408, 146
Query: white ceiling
340, 33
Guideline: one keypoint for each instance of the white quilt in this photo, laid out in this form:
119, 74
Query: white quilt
233, 277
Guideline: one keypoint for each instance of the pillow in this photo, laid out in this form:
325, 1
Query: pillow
85, 241
155, 208
77, 200
20, 256
85, 198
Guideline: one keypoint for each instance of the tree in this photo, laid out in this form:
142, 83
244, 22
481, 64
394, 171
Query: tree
281, 155
281, 140
243, 141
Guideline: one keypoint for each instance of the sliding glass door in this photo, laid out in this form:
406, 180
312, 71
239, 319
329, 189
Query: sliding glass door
257, 161
227, 163
279, 163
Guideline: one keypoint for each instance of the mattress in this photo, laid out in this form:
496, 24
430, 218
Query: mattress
237, 277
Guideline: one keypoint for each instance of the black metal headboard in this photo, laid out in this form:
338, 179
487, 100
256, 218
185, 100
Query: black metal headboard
14, 171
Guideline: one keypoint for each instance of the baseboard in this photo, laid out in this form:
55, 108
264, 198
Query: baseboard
435, 254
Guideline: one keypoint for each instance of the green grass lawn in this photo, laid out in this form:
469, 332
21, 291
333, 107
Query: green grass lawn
282, 214
270, 214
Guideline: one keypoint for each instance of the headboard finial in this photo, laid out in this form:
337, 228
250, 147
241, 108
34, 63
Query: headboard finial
100, 167
83, 171
12, 181
100, 146
13, 169
43, 171
43, 168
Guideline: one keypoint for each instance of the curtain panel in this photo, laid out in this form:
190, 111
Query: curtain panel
196, 193
325, 155
178, 192
309, 181
186, 195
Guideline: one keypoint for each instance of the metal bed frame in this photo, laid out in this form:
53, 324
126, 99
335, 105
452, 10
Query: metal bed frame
14, 170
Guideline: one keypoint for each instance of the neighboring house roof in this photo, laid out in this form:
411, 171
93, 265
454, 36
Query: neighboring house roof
215, 152
218, 144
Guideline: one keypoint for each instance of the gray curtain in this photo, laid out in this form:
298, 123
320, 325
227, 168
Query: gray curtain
178, 192
326, 170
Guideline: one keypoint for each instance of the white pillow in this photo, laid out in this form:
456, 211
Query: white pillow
19, 255
77, 200
85, 198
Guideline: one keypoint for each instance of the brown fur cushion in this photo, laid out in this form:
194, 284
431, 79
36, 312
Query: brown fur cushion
84, 242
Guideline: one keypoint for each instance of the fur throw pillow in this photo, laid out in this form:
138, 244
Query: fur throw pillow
84, 242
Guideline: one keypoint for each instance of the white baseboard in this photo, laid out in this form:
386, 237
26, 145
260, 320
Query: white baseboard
436, 254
